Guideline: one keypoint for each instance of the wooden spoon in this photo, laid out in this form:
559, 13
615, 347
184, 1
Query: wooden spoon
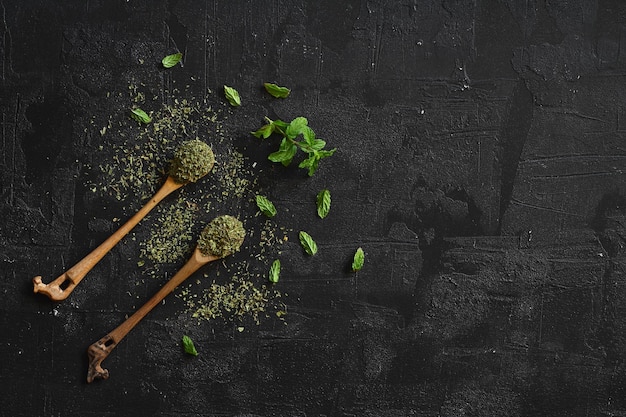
60, 288
221, 237
192, 160
99, 350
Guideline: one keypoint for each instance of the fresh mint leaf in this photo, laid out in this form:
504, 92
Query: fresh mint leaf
274, 274
325, 153
277, 91
189, 346
309, 135
296, 126
232, 96
311, 163
323, 203
140, 115
359, 259
285, 152
266, 206
264, 131
308, 243
317, 145
171, 60
280, 124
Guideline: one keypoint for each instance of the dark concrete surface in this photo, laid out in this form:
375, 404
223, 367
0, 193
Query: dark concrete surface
480, 165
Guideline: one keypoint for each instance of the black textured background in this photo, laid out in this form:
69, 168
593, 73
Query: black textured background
480, 164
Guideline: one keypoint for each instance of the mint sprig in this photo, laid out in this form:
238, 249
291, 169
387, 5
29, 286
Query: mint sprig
291, 142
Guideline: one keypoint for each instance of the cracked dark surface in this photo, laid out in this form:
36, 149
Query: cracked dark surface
480, 164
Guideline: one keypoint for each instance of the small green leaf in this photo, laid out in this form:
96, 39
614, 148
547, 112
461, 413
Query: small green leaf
308, 243
275, 271
318, 144
285, 152
264, 132
311, 163
315, 145
280, 124
296, 127
266, 206
277, 91
323, 203
309, 136
189, 346
171, 60
325, 154
359, 259
140, 115
232, 96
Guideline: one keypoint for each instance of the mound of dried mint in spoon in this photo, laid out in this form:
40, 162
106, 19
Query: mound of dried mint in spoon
222, 237
192, 160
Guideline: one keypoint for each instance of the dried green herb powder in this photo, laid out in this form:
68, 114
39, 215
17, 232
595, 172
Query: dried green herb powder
222, 237
192, 160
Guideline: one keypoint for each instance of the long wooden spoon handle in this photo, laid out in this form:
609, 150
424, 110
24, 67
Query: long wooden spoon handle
60, 288
99, 350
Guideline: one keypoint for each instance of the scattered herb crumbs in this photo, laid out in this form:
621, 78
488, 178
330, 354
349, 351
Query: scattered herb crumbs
323, 203
170, 238
274, 274
238, 298
140, 115
232, 96
189, 346
134, 157
359, 259
233, 175
277, 91
266, 206
308, 243
171, 60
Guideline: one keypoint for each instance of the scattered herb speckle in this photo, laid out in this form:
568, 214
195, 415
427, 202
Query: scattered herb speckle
171, 236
